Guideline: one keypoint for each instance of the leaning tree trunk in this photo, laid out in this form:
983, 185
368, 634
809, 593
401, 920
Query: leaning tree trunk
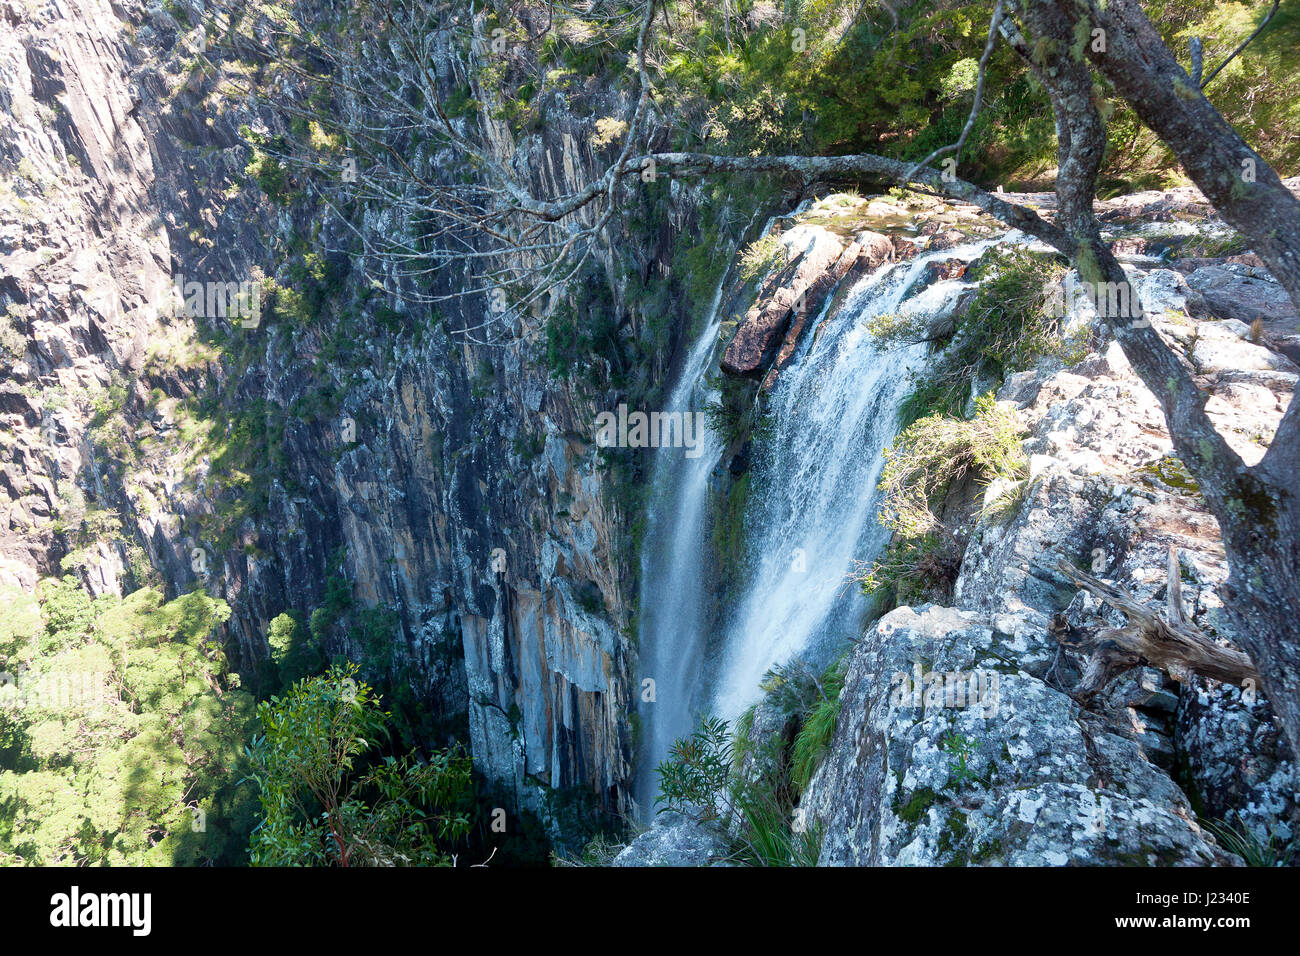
1258, 509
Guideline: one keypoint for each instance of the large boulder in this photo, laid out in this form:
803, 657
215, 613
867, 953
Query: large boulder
675, 840
994, 767
1238, 292
789, 298
811, 251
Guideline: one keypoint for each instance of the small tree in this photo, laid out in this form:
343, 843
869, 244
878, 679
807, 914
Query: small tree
696, 776
321, 809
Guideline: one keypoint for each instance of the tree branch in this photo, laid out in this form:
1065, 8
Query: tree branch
1167, 641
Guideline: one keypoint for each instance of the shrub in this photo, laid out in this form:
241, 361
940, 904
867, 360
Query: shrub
922, 466
814, 737
1009, 324
762, 256
1272, 849
321, 808
695, 778
698, 779
731, 414
931, 454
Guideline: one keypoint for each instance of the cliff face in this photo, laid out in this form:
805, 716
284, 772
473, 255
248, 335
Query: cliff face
455, 485
82, 246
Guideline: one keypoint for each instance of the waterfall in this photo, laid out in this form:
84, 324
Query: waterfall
811, 512
813, 500
671, 628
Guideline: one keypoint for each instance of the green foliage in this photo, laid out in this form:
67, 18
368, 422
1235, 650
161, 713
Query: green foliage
267, 171
762, 256
961, 748
1239, 838
732, 413
121, 738
695, 777
931, 454
727, 532
817, 728
925, 462
1258, 93
580, 335
373, 634
321, 806
600, 850
13, 341
243, 440
912, 571
295, 651
312, 281
718, 774
69, 616
21, 624
899, 78
1010, 324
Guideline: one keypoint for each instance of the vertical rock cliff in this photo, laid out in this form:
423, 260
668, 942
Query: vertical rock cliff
346, 449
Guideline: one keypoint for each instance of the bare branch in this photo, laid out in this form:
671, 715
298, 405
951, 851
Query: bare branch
1166, 641
1245, 43
956, 147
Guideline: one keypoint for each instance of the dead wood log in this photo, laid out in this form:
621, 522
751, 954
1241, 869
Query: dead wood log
1165, 640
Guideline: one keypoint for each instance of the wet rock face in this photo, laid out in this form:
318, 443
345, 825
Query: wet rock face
1012, 773
763, 330
788, 299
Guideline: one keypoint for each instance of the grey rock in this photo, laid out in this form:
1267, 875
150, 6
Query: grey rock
675, 840
1234, 294
1021, 777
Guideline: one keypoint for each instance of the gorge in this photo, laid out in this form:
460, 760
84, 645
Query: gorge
894, 428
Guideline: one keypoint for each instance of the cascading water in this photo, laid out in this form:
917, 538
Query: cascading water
671, 629
812, 513
813, 502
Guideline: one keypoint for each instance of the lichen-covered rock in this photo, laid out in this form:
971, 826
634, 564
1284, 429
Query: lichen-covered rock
675, 840
1235, 764
991, 766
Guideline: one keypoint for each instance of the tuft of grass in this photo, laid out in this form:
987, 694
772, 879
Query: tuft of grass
931, 454
921, 466
818, 725
1240, 839
1011, 323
